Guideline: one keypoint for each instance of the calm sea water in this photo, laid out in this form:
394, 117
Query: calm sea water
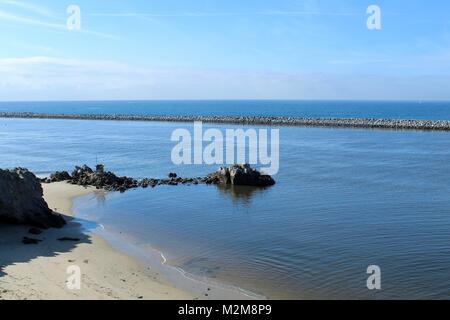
314, 109
344, 199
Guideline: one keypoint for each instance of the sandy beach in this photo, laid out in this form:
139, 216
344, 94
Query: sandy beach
40, 271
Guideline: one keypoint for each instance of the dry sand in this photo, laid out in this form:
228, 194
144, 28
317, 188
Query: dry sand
40, 271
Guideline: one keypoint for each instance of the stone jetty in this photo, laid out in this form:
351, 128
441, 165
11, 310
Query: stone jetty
396, 124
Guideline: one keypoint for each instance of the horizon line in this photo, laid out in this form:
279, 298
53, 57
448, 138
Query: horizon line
226, 100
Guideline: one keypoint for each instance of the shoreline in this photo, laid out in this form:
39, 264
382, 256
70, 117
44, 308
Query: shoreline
156, 260
40, 271
394, 124
149, 256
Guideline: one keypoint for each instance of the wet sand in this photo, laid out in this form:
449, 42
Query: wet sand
40, 271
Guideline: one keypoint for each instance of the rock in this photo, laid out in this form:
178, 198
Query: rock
59, 176
21, 200
244, 175
236, 175
145, 183
102, 179
240, 175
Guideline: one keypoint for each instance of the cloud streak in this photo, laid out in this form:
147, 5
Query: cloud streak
43, 11
221, 14
49, 78
7, 16
58, 24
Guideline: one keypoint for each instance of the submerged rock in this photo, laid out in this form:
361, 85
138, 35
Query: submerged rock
21, 200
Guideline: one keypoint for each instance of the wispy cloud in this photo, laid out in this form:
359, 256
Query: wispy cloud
50, 78
7, 16
52, 22
359, 61
306, 13
40, 10
44, 77
221, 14
35, 47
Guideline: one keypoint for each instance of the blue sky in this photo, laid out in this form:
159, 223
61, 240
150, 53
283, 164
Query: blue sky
234, 49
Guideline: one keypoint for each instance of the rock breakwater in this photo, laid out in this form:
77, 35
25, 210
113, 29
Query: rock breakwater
396, 124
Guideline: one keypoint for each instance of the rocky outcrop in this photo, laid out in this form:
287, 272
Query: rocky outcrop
59, 176
101, 179
240, 175
108, 181
21, 200
21, 194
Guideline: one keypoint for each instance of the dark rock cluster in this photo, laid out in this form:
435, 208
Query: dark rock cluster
21, 200
240, 175
59, 176
101, 179
108, 181
21, 194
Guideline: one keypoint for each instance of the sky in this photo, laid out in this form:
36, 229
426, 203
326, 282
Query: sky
216, 49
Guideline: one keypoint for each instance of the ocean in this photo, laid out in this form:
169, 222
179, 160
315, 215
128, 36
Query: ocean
437, 110
344, 199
